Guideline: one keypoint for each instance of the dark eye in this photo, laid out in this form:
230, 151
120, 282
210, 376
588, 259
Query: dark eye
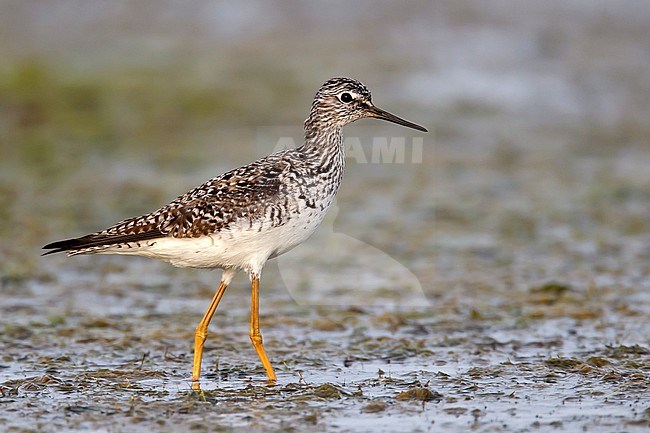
346, 97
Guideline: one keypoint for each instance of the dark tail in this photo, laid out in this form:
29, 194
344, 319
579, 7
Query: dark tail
99, 240
68, 245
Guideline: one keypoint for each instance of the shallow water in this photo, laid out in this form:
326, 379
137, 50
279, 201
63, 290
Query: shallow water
499, 283
111, 356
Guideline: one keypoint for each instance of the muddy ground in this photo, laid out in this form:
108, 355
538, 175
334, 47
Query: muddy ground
498, 283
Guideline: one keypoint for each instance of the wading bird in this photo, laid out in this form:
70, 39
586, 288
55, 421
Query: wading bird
240, 219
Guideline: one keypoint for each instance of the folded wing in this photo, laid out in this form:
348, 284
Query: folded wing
209, 208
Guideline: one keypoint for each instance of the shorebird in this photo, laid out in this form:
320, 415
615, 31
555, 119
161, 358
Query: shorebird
241, 219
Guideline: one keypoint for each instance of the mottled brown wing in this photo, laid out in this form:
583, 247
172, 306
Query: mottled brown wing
209, 208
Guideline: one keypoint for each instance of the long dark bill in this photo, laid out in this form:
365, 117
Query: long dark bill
385, 115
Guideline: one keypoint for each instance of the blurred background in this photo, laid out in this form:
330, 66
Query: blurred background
538, 117
519, 239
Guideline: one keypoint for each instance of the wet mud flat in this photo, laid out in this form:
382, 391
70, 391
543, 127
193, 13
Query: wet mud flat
110, 350
495, 287
492, 288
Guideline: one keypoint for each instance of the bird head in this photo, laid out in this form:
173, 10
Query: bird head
343, 100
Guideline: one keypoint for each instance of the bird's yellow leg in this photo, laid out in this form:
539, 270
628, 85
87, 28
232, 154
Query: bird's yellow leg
255, 334
201, 333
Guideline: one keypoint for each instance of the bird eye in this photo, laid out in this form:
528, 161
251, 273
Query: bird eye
345, 97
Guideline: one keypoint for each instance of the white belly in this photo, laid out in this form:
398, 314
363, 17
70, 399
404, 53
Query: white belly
239, 247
